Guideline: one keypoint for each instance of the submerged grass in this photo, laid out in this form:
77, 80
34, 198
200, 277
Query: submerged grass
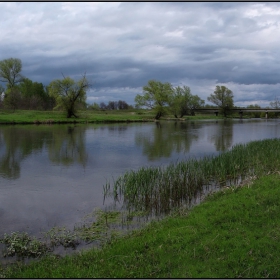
235, 233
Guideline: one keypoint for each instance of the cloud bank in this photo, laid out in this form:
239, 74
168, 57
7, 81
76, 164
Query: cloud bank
123, 45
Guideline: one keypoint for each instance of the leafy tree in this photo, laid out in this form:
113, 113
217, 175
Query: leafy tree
182, 102
69, 94
254, 114
179, 101
10, 71
12, 98
195, 103
34, 95
223, 98
94, 106
155, 96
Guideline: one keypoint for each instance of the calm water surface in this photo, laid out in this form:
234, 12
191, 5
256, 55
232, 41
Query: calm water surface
54, 175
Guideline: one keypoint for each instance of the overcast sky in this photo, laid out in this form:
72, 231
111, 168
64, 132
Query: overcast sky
121, 46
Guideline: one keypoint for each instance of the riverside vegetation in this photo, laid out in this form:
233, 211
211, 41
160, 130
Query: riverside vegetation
233, 233
86, 116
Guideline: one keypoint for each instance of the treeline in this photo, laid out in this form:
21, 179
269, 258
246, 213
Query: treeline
21, 92
70, 95
111, 105
27, 95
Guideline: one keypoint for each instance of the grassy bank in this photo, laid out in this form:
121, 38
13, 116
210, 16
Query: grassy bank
235, 233
50, 117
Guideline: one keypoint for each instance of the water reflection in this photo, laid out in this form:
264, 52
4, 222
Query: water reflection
166, 138
65, 145
222, 135
16, 144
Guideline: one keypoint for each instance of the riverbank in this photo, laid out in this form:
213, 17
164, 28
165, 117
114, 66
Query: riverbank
233, 234
87, 116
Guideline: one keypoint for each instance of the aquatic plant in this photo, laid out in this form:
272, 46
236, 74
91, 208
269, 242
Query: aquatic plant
22, 245
158, 190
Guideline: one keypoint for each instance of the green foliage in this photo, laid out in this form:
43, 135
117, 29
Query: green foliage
34, 95
94, 106
223, 98
22, 245
182, 102
60, 236
254, 114
10, 71
12, 98
69, 95
156, 96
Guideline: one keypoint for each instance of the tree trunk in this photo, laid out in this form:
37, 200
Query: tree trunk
158, 115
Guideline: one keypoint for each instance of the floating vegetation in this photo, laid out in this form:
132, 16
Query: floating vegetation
101, 226
159, 190
61, 236
22, 245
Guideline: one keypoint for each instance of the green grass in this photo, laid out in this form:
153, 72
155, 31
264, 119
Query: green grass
235, 233
86, 116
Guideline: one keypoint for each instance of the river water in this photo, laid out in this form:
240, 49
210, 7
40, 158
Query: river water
53, 175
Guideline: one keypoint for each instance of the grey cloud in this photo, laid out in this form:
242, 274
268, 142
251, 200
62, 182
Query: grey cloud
123, 45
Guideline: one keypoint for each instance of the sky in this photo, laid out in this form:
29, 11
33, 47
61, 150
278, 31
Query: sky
121, 46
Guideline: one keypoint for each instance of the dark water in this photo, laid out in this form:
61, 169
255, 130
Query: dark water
54, 175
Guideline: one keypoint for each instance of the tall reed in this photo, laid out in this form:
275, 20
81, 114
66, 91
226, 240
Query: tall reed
158, 190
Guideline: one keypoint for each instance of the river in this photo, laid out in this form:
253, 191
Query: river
53, 175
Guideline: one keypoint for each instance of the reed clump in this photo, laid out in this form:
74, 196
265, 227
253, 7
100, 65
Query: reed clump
158, 190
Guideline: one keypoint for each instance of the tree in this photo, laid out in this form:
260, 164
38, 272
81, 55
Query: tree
94, 106
223, 98
195, 103
103, 106
179, 101
112, 105
10, 71
122, 105
34, 95
182, 102
69, 94
12, 98
254, 114
155, 96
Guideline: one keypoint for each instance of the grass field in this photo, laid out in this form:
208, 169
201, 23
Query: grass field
87, 116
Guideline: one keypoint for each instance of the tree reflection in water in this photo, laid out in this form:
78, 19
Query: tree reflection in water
166, 138
66, 145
